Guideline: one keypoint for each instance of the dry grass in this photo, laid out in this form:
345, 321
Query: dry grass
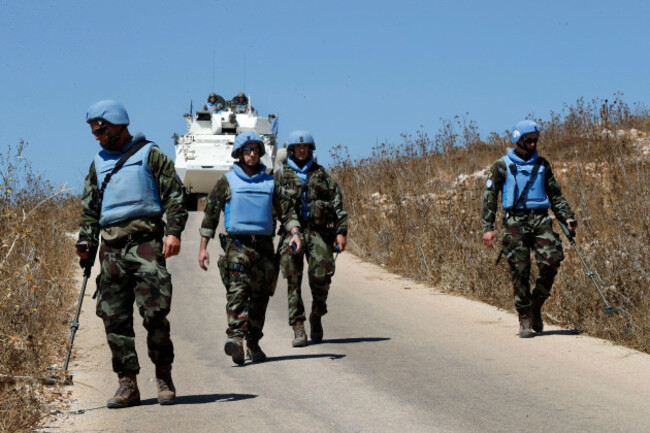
36, 293
415, 207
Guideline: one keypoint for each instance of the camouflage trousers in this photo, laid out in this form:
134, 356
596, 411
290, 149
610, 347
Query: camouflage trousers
135, 273
320, 261
523, 233
249, 272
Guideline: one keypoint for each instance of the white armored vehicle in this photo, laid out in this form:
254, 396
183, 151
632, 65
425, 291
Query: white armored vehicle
203, 153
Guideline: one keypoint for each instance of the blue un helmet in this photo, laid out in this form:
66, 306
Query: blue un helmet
110, 111
522, 128
244, 138
300, 137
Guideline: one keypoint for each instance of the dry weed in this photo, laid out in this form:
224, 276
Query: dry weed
36, 264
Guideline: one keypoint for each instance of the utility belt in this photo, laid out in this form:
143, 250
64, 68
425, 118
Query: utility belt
246, 239
527, 212
134, 239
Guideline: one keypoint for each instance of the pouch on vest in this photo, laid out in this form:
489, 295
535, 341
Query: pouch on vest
321, 212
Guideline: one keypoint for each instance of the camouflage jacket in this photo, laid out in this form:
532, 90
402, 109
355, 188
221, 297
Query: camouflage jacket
171, 198
497, 175
325, 198
283, 207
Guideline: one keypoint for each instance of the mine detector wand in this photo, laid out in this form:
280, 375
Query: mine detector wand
571, 237
74, 326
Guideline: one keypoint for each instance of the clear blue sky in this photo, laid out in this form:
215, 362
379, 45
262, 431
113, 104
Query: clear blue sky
352, 72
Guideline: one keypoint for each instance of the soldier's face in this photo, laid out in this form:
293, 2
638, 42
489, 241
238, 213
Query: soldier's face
102, 132
529, 142
301, 152
251, 154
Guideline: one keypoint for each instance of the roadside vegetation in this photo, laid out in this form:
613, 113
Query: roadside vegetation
415, 209
36, 289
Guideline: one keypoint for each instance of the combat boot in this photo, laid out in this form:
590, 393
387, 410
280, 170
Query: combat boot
536, 315
525, 330
235, 348
254, 351
166, 389
299, 334
315, 328
127, 394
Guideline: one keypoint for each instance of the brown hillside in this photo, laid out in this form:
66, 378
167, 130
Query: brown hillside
415, 208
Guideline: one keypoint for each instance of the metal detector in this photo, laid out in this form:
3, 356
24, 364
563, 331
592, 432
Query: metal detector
87, 266
571, 237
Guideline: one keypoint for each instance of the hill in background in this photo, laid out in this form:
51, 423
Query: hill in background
415, 209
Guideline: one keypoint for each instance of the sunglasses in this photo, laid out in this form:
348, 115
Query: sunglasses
249, 150
99, 131
529, 140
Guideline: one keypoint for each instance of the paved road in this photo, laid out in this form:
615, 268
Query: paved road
397, 357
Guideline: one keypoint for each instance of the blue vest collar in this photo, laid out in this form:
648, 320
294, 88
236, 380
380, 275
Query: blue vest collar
517, 159
300, 172
304, 169
236, 168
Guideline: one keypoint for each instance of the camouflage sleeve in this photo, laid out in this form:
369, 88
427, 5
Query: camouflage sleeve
171, 191
214, 205
89, 224
559, 205
493, 184
284, 207
341, 223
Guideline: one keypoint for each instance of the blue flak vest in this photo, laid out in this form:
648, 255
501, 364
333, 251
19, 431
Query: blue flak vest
302, 175
536, 196
132, 191
250, 208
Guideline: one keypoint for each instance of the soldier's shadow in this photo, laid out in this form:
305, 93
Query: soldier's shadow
202, 399
292, 357
354, 340
558, 332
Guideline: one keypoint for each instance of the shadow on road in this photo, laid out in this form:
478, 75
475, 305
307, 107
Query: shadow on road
202, 399
354, 340
560, 332
292, 357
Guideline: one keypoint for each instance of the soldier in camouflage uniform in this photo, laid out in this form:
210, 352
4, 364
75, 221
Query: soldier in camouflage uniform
135, 242
319, 204
528, 190
250, 200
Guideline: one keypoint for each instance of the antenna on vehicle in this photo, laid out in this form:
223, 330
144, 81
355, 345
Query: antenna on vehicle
244, 72
213, 57
191, 108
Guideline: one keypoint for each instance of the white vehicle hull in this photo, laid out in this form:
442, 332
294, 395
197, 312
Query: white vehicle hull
203, 154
